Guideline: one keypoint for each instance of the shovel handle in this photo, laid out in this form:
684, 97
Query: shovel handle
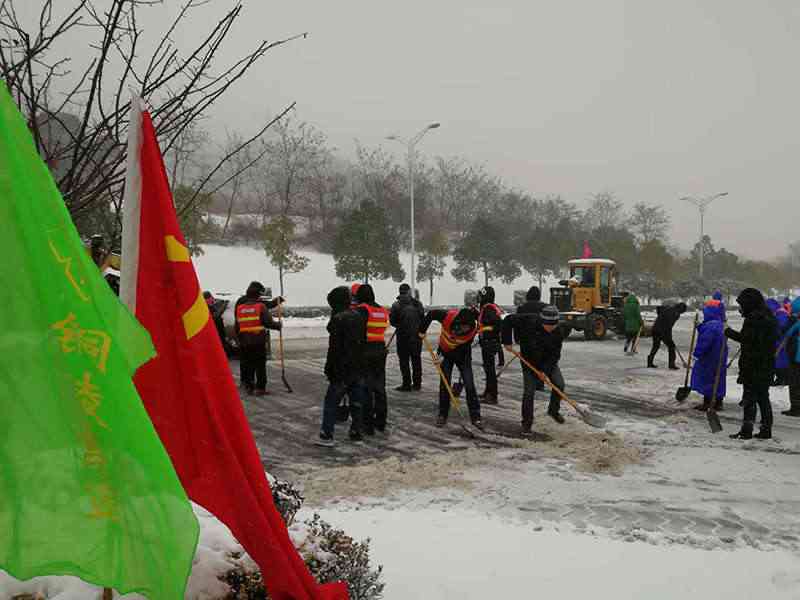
428, 346
691, 349
505, 366
546, 380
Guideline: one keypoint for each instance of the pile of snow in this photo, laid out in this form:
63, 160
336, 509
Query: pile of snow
230, 268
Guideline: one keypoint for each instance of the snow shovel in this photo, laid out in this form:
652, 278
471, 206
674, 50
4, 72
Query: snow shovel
588, 417
711, 413
735, 356
505, 366
453, 399
635, 345
280, 346
683, 392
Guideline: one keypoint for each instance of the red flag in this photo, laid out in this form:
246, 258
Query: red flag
188, 389
587, 251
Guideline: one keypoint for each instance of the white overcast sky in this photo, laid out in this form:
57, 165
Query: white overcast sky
652, 100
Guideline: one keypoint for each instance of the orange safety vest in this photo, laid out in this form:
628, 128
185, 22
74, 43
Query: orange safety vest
377, 322
488, 328
448, 341
249, 317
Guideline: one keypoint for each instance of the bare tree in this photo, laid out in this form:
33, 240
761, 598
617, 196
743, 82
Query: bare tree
79, 114
649, 223
605, 212
461, 189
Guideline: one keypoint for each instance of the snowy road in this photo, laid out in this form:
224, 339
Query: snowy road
656, 475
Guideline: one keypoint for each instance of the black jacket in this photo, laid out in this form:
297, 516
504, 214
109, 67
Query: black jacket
491, 324
461, 353
347, 340
758, 339
541, 349
666, 319
406, 317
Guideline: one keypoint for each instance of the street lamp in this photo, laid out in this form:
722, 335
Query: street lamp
702, 205
410, 143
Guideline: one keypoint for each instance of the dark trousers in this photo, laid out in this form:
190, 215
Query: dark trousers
375, 406
756, 396
667, 339
794, 386
629, 340
357, 393
465, 368
253, 364
488, 353
410, 351
530, 383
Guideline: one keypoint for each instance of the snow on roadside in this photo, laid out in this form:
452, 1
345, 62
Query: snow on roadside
448, 552
218, 552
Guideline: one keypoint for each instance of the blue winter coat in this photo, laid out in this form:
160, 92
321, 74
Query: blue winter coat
782, 360
710, 342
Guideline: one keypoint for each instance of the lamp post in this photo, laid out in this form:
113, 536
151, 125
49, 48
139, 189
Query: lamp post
702, 204
410, 144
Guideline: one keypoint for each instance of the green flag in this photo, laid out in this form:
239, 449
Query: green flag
86, 488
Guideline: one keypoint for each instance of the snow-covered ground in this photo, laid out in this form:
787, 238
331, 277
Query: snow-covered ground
230, 268
447, 552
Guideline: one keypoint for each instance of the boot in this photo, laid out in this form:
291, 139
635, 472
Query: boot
527, 429
477, 423
441, 421
764, 434
703, 406
489, 398
674, 367
650, 363
792, 412
743, 434
718, 407
403, 388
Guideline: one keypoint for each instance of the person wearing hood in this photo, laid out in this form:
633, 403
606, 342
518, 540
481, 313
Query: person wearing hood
787, 305
662, 332
377, 317
711, 342
459, 327
344, 366
782, 356
252, 320
791, 340
716, 301
756, 361
490, 321
632, 315
406, 316
540, 342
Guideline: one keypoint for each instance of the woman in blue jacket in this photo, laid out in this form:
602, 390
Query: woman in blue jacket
792, 345
710, 342
782, 358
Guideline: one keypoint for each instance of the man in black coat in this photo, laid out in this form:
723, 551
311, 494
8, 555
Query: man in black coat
344, 366
406, 316
252, 322
662, 332
490, 323
540, 342
459, 327
758, 338
533, 302
377, 317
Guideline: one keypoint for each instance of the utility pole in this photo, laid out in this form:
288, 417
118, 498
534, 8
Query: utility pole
702, 205
410, 144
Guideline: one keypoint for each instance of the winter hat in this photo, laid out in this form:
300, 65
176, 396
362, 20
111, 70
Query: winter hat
339, 298
466, 317
549, 315
717, 295
354, 289
365, 294
534, 294
486, 295
750, 300
255, 289
405, 288
796, 306
682, 308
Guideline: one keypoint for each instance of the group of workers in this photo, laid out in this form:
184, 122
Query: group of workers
355, 364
